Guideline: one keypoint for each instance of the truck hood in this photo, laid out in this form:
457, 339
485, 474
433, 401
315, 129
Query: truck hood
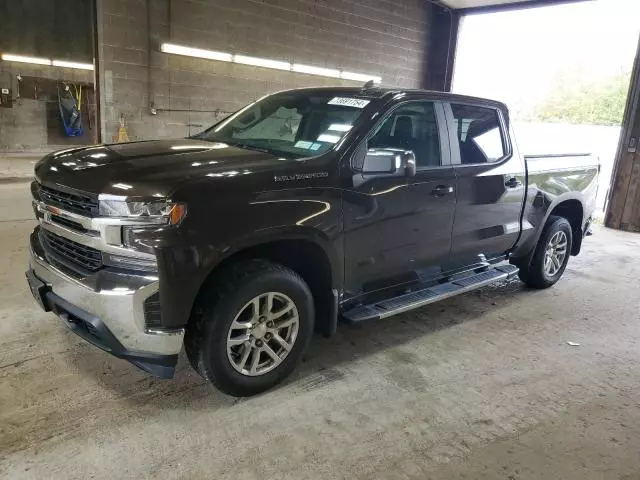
150, 168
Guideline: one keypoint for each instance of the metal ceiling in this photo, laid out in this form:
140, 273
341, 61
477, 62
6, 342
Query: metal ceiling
497, 5
477, 3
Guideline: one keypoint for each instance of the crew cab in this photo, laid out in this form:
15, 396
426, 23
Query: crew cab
303, 209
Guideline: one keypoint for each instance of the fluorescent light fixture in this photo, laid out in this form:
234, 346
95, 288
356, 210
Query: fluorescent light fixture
340, 127
45, 61
64, 63
311, 70
329, 138
360, 77
19, 58
122, 186
196, 52
262, 62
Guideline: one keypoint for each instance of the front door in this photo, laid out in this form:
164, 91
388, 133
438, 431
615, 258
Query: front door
491, 183
398, 229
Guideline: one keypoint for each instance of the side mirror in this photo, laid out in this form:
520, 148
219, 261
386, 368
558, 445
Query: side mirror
389, 162
409, 163
380, 162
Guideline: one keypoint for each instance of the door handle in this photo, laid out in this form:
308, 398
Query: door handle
442, 190
513, 182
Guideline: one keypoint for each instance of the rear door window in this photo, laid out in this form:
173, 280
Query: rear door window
479, 134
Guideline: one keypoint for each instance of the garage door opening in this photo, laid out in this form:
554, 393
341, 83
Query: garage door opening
563, 71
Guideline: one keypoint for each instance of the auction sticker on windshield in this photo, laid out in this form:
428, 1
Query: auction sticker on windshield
349, 102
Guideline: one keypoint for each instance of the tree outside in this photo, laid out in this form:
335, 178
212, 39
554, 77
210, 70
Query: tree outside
574, 97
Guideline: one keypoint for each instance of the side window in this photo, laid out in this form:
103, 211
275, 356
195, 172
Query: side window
412, 126
479, 134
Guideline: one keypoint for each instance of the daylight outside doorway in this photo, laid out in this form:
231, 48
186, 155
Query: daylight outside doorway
563, 71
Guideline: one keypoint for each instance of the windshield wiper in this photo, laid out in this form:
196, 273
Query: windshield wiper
249, 147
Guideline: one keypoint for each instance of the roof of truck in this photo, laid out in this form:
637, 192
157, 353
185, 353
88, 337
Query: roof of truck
381, 92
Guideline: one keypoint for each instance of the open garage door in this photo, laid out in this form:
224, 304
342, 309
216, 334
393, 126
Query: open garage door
563, 70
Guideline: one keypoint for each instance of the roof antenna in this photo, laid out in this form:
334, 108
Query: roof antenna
368, 85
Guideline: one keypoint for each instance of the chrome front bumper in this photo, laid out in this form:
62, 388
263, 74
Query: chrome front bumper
113, 301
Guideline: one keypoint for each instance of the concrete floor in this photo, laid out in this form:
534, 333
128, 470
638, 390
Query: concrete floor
18, 166
483, 386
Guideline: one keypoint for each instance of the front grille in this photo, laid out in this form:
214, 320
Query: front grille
72, 202
152, 315
71, 253
65, 222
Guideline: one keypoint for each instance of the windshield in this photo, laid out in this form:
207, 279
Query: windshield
290, 124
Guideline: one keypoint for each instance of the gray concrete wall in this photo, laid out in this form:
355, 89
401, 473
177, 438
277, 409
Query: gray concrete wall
59, 29
379, 37
24, 126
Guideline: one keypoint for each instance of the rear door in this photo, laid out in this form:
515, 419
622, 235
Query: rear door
398, 229
490, 182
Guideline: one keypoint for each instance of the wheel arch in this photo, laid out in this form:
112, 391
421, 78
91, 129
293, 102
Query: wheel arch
569, 206
307, 252
572, 210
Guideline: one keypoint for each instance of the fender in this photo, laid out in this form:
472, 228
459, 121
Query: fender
552, 180
536, 218
296, 214
274, 234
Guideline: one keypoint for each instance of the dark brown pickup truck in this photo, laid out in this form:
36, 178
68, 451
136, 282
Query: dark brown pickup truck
302, 209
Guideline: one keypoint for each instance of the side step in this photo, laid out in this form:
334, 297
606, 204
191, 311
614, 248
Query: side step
409, 301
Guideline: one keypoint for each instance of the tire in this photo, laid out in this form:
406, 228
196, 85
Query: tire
536, 275
230, 297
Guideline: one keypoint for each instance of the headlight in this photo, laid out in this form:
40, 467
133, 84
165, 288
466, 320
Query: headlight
172, 212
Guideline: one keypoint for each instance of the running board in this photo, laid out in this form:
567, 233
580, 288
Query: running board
417, 299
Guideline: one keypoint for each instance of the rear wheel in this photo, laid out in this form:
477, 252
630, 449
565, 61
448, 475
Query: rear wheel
551, 255
250, 327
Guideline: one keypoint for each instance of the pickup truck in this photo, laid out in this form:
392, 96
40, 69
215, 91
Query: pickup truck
303, 209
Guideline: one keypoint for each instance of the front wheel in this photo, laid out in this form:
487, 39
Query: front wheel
551, 255
250, 327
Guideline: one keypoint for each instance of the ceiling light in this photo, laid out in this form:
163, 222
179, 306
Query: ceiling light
196, 52
19, 58
64, 63
311, 70
267, 63
262, 62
